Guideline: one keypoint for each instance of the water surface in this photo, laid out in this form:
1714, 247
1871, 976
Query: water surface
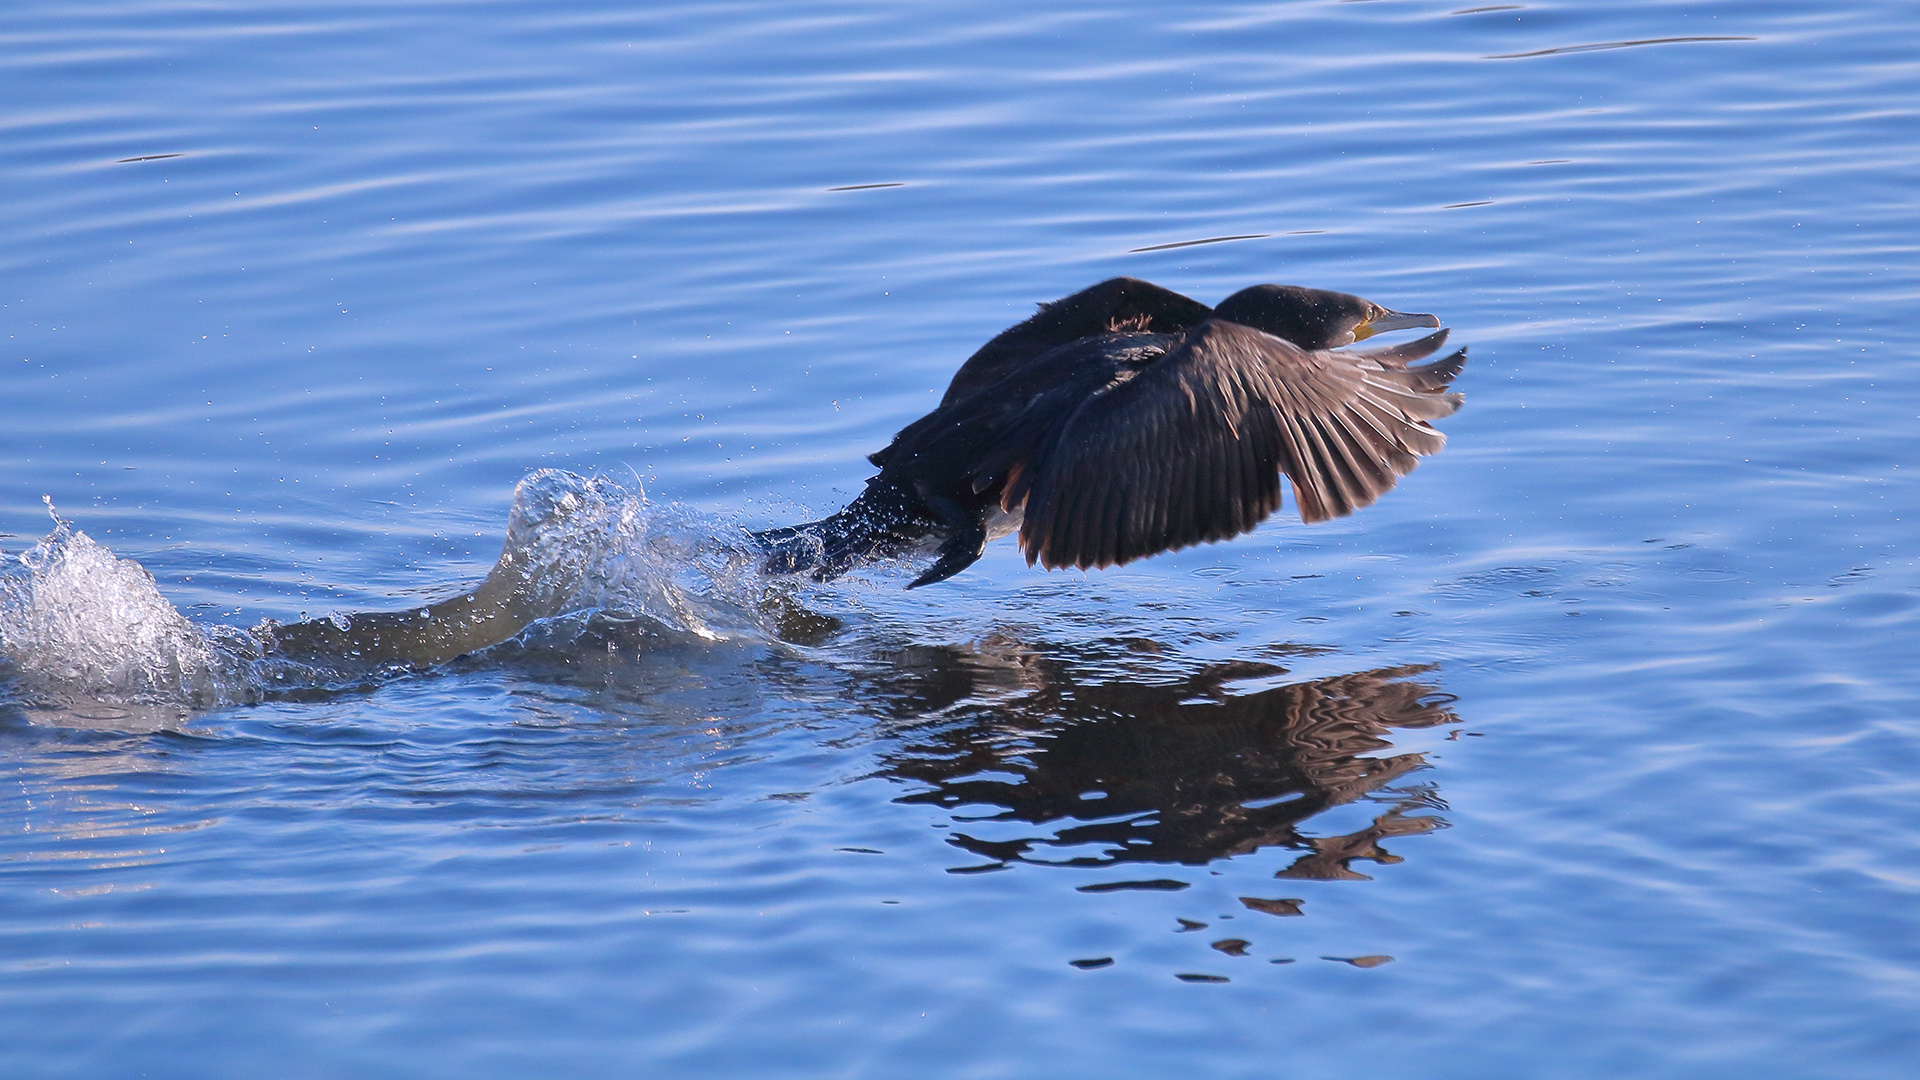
1601, 726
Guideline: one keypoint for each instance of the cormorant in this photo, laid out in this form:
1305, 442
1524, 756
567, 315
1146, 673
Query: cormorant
1127, 420
1119, 422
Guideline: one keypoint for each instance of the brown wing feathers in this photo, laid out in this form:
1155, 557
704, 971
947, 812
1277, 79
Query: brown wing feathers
1142, 466
1361, 421
1191, 449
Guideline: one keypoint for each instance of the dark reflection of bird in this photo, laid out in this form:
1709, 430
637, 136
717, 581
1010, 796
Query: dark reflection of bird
1181, 771
1126, 420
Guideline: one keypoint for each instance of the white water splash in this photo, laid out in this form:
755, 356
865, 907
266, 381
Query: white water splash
593, 545
82, 626
80, 623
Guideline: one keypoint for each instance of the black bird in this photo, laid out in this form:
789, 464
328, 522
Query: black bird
1126, 420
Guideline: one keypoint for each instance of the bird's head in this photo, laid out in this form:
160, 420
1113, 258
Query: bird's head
1313, 318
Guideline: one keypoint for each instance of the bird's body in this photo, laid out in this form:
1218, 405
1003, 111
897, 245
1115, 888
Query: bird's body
1126, 420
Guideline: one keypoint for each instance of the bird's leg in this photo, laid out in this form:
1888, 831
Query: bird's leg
792, 549
966, 538
877, 525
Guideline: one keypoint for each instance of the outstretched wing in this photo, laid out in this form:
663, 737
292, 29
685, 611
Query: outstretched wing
1191, 448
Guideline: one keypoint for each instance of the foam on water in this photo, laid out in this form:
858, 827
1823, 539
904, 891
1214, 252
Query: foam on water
592, 544
79, 622
86, 627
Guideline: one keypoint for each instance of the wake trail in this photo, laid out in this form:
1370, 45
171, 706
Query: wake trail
80, 625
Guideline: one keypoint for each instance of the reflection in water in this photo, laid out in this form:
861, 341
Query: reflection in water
1121, 770
1114, 753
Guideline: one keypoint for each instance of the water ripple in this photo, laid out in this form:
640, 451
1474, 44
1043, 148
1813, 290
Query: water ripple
1615, 45
1661, 586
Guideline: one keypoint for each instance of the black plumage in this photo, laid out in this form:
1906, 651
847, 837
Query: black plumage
1126, 420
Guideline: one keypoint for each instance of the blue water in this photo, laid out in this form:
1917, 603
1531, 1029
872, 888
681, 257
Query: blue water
1602, 726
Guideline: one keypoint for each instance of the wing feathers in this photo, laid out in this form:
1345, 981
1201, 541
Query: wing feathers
1191, 449
1404, 353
